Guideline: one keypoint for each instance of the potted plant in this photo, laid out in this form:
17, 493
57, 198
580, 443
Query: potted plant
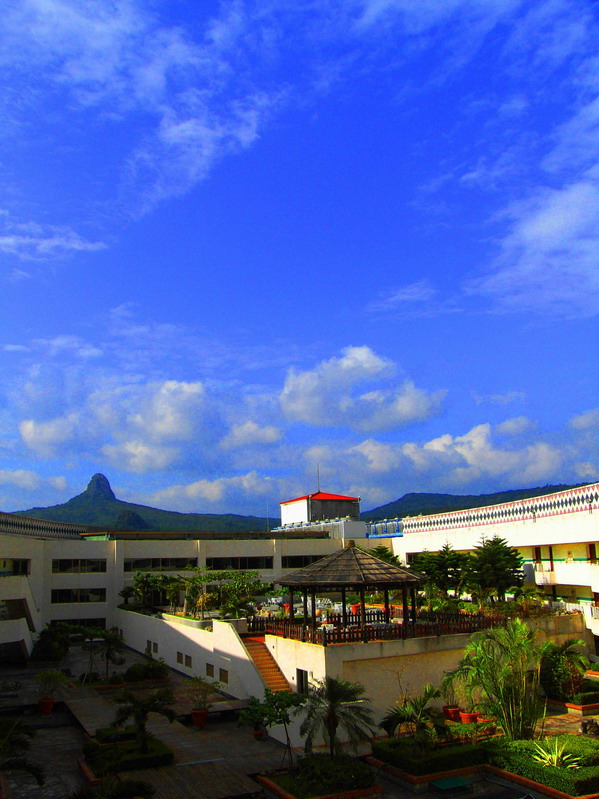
255, 715
48, 684
451, 708
199, 690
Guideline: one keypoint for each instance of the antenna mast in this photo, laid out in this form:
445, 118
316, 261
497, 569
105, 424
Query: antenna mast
318, 477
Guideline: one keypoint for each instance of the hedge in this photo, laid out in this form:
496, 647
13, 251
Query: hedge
517, 757
404, 753
126, 756
585, 698
320, 774
110, 734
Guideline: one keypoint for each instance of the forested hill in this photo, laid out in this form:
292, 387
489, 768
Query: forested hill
98, 506
414, 504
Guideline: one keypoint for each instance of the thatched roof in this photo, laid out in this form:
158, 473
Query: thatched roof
351, 567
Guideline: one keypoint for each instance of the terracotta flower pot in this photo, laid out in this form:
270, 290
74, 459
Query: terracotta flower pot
198, 718
45, 706
451, 712
468, 718
258, 734
355, 608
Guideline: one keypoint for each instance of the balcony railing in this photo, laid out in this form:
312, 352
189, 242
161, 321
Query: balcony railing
429, 624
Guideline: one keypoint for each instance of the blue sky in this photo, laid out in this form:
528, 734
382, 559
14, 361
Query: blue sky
241, 240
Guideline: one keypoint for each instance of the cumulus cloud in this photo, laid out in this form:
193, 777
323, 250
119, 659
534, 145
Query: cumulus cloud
45, 438
29, 480
139, 456
191, 497
505, 398
515, 426
326, 396
586, 421
246, 433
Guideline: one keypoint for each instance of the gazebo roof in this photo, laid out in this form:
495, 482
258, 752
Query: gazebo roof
351, 567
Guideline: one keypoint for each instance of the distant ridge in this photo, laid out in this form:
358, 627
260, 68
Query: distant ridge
425, 504
98, 506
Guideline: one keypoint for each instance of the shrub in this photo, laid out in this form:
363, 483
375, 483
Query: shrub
116, 678
408, 755
136, 672
586, 698
517, 757
321, 774
156, 670
106, 735
126, 757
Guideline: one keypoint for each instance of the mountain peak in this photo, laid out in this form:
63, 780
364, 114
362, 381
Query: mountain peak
99, 488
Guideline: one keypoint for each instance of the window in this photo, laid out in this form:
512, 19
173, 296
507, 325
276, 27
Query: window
76, 566
188, 661
159, 564
154, 647
223, 676
298, 561
209, 670
64, 595
99, 622
256, 562
180, 657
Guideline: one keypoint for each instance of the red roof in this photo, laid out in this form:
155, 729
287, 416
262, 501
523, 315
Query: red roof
321, 495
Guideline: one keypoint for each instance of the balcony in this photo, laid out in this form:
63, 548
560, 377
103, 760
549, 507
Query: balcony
544, 573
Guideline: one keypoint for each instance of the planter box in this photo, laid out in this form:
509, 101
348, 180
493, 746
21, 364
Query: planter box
576, 710
89, 775
536, 786
104, 686
375, 790
419, 782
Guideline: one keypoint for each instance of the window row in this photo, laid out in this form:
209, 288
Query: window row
159, 564
64, 595
256, 562
298, 561
79, 565
12, 566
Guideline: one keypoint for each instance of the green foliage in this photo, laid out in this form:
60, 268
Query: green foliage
320, 774
414, 712
112, 734
332, 703
585, 698
554, 755
52, 643
493, 567
199, 690
14, 742
150, 670
138, 708
562, 669
49, 683
445, 569
384, 553
126, 756
136, 672
501, 667
407, 754
518, 757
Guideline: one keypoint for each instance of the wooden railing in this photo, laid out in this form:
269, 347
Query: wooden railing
429, 624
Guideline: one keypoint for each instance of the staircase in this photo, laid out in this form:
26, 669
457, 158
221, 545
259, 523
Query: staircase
267, 666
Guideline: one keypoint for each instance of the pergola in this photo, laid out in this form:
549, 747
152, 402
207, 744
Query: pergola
357, 570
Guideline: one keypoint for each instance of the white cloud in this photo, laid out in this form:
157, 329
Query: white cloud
72, 345
325, 396
515, 426
21, 478
139, 456
189, 497
586, 420
45, 438
414, 293
505, 398
31, 241
249, 432
169, 411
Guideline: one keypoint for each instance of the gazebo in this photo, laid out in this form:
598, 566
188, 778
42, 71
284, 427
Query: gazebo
357, 570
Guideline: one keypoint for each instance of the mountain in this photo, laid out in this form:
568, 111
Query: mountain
99, 507
425, 504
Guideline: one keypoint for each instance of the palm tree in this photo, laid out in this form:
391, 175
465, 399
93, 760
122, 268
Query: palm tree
139, 708
414, 712
502, 665
562, 668
333, 703
110, 645
14, 740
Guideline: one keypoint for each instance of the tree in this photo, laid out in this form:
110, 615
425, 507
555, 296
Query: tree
14, 740
332, 703
384, 553
502, 664
415, 712
274, 710
110, 646
562, 668
445, 569
139, 707
127, 593
144, 585
236, 587
494, 566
